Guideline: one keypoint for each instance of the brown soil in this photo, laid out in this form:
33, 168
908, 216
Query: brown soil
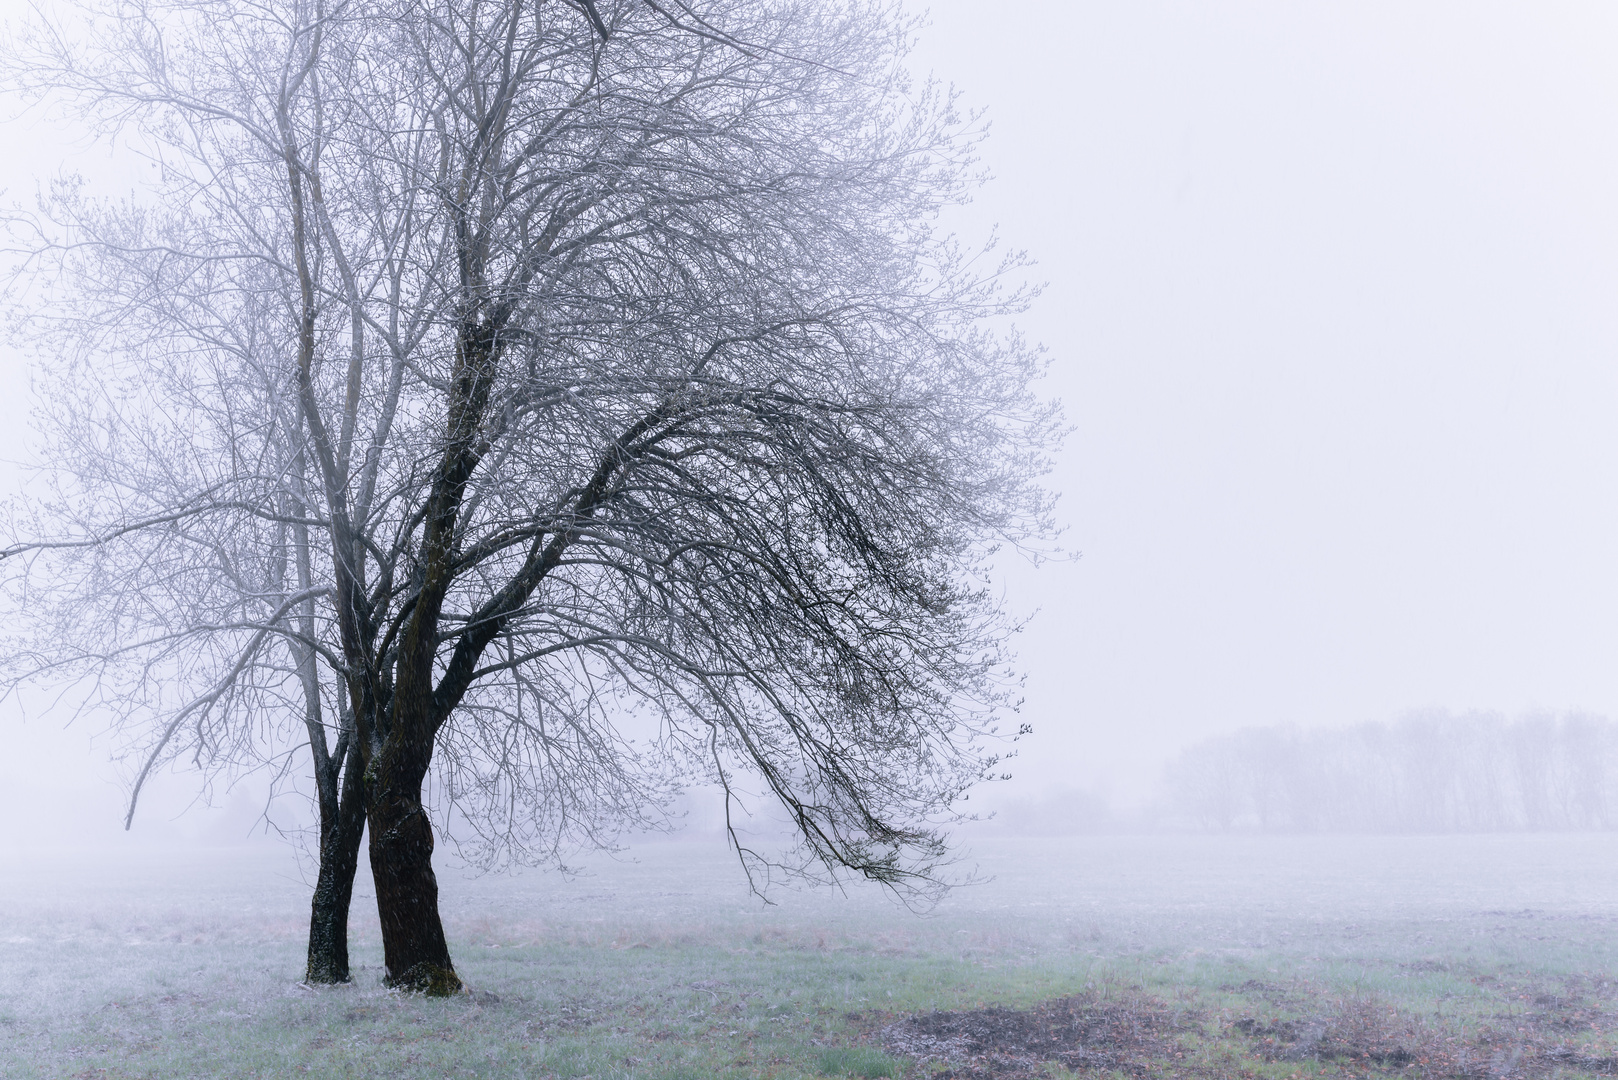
1553, 1034
1378, 1038
1131, 1034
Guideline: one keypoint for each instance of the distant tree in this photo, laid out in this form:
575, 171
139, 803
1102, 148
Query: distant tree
1206, 784
1586, 744
1484, 802
616, 375
1429, 747
1532, 744
1432, 771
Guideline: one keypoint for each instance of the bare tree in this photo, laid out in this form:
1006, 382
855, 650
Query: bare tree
170, 571
180, 582
628, 378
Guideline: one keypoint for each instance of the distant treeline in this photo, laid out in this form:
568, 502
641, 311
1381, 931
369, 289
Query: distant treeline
1428, 772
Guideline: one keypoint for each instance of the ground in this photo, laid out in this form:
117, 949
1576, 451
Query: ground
1155, 956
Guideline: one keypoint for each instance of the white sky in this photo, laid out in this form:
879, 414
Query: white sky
1332, 300
1332, 304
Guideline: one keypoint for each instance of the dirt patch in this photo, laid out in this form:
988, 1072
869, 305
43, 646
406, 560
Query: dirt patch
1361, 1032
1552, 1031
1375, 1037
1131, 1033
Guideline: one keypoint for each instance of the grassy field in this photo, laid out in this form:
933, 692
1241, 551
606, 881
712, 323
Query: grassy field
1490, 956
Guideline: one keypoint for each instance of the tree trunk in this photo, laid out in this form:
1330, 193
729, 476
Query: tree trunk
340, 836
413, 946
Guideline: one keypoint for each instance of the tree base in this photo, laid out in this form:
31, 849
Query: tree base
326, 977
430, 979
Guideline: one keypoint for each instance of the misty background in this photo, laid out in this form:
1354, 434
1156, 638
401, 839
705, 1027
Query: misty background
1330, 304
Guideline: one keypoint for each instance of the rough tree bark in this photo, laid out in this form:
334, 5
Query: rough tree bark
415, 951
342, 827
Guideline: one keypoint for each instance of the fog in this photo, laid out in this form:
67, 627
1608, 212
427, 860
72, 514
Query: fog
1323, 768
1329, 302
1330, 306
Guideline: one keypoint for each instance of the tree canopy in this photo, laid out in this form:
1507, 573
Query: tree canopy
479, 383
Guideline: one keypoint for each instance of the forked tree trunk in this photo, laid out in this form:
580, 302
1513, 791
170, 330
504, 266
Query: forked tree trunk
340, 836
413, 947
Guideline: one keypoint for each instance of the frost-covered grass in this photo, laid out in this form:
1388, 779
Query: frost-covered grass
1257, 956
